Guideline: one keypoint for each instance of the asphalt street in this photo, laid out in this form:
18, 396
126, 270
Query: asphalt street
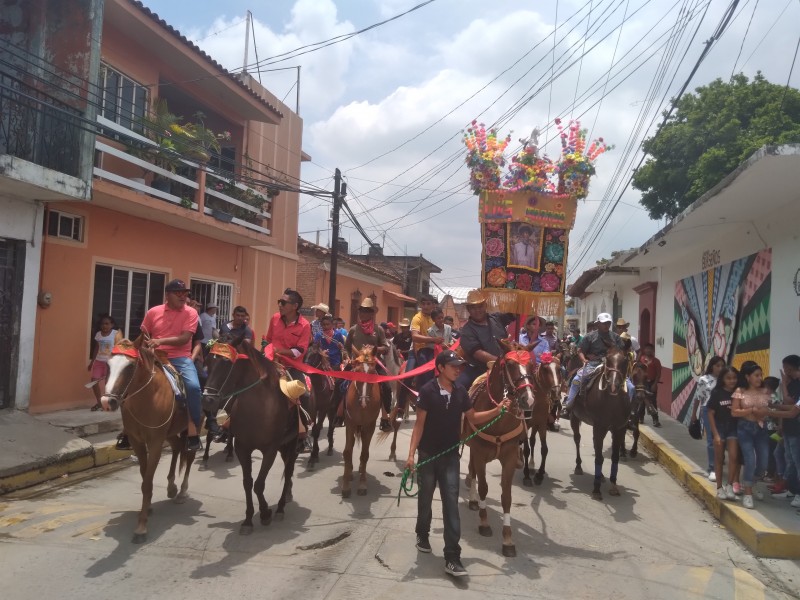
654, 541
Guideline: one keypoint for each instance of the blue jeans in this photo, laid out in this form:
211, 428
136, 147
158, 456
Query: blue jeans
754, 443
792, 450
709, 437
444, 472
424, 356
185, 366
588, 370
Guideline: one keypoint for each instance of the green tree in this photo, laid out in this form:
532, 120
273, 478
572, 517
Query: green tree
710, 133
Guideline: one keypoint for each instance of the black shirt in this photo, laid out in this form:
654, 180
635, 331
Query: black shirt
721, 402
792, 426
402, 341
443, 416
476, 337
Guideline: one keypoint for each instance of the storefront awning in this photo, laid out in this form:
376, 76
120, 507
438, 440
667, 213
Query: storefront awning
400, 296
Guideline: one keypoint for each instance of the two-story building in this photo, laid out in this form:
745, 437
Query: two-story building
194, 175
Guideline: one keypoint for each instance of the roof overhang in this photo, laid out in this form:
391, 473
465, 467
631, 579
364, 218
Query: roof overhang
199, 73
767, 185
613, 278
399, 296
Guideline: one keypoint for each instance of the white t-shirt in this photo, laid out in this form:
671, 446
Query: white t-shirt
104, 345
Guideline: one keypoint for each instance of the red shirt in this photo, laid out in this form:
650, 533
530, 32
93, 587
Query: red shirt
289, 336
162, 322
653, 367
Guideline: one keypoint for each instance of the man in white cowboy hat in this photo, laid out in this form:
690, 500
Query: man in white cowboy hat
592, 350
208, 321
622, 327
320, 310
479, 337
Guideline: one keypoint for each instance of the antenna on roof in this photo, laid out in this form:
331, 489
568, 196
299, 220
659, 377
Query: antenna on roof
246, 40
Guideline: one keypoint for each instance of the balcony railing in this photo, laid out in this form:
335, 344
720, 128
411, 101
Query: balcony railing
36, 127
190, 186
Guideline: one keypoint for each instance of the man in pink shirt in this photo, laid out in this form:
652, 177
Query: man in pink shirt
171, 326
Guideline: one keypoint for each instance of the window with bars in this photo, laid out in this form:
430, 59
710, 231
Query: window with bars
124, 101
64, 225
219, 293
127, 295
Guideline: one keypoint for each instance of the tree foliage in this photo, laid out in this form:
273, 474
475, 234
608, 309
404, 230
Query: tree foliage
710, 133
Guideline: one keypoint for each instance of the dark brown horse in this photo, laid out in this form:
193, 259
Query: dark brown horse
247, 384
322, 388
138, 386
362, 407
604, 404
638, 406
546, 388
510, 377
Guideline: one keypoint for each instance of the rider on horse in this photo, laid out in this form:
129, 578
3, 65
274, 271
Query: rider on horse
592, 351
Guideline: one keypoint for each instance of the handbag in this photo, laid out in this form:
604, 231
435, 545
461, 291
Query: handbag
696, 430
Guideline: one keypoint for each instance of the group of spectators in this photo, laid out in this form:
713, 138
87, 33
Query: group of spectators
754, 419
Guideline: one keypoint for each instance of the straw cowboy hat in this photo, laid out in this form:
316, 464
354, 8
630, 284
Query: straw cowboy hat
321, 306
474, 298
292, 388
404, 323
367, 304
622, 322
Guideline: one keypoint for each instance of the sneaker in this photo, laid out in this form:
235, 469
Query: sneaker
123, 443
385, 425
778, 488
423, 545
784, 494
729, 495
712, 477
454, 567
193, 443
747, 501
721, 495
737, 488
796, 502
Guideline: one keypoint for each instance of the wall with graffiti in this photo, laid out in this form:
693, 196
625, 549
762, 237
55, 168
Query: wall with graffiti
724, 311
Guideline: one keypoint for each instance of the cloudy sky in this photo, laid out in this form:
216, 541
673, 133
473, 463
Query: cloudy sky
388, 107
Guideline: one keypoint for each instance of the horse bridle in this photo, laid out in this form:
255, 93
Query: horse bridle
121, 398
232, 356
537, 378
510, 387
606, 370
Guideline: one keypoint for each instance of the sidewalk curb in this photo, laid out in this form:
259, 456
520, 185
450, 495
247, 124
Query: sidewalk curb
763, 541
96, 457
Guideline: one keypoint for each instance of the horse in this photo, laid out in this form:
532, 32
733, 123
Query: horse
546, 387
401, 397
362, 407
639, 379
261, 419
604, 404
228, 448
151, 415
510, 377
322, 388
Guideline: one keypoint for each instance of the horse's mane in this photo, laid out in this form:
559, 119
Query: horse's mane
263, 365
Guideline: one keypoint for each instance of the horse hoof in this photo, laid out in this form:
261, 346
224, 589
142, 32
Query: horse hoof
597, 496
279, 515
329, 451
634, 453
509, 551
538, 479
392, 457
172, 491
361, 492
578, 471
614, 491
527, 481
345, 493
139, 538
266, 519
485, 530
181, 498
245, 530
473, 505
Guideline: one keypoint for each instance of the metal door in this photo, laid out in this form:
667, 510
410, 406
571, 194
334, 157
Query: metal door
12, 267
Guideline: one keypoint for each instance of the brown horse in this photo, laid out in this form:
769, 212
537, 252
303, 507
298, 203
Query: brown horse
362, 407
261, 419
138, 386
510, 377
604, 404
322, 388
639, 379
546, 387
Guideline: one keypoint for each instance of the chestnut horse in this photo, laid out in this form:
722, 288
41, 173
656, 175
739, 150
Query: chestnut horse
138, 386
546, 388
362, 407
604, 404
322, 388
261, 419
510, 377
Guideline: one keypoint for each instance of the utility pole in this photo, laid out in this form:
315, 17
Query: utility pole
339, 192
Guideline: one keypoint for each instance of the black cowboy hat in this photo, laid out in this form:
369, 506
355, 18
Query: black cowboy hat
695, 430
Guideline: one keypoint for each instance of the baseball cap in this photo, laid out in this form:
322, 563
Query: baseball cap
390, 325
176, 285
448, 357
604, 318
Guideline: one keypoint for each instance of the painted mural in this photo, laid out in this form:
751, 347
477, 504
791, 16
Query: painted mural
724, 312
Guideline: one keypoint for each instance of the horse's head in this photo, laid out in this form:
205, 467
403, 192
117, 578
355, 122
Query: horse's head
121, 368
615, 369
228, 364
639, 380
517, 366
364, 359
318, 358
548, 376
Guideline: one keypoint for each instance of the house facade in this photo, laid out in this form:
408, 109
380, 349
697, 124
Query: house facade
355, 280
221, 214
722, 279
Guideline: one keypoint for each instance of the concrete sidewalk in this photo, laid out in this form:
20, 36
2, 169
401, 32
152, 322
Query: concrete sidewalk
770, 530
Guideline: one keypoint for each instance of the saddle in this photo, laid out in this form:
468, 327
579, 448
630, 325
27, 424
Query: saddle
588, 380
173, 376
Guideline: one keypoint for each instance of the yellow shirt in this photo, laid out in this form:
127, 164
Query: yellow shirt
420, 324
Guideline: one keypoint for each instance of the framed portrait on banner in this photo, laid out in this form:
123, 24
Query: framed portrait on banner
524, 246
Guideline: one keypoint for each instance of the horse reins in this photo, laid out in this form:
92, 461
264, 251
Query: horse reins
125, 396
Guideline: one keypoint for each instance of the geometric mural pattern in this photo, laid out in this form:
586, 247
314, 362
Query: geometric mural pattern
724, 312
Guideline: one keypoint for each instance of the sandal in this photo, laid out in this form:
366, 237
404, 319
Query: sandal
96, 407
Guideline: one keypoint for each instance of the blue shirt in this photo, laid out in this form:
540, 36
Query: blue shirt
333, 346
539, 349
